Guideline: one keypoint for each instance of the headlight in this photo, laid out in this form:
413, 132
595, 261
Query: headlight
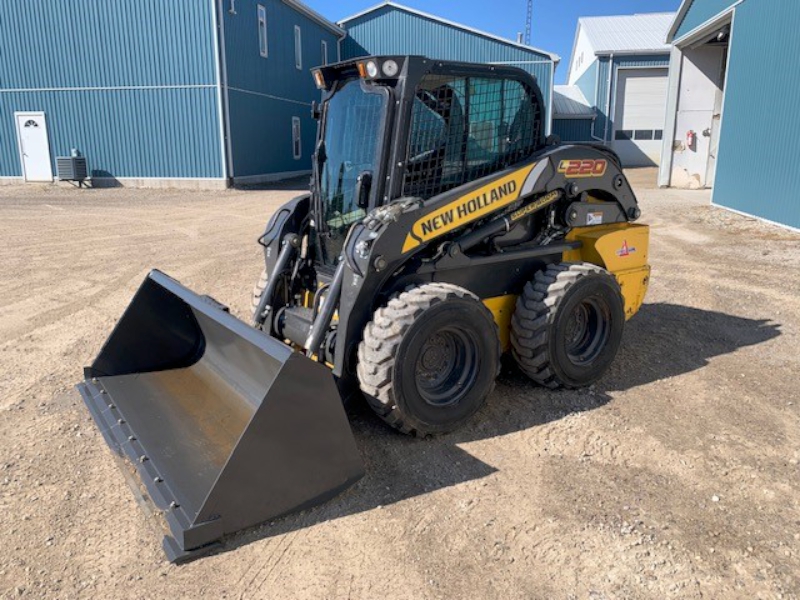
372, 69
390, 68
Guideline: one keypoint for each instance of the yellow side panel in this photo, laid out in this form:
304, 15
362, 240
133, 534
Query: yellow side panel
634, 287
622, 249
502, 308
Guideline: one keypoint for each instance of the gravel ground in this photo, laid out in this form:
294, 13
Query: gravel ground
675, 476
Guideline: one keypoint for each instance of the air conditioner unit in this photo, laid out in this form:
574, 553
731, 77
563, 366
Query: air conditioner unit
72, 168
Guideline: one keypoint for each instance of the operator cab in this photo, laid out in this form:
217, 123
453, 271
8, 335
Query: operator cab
409, 126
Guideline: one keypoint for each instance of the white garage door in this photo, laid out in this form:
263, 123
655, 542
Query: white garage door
641, 106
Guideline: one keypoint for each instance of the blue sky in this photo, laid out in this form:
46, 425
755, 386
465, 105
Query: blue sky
554, 21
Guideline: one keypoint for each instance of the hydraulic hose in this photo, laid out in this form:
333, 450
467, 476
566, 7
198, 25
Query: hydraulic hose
325, 316
290, 244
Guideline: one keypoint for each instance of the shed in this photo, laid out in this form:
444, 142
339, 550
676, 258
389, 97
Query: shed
573, 117
391, 28
619, 63
180, 93
732, 120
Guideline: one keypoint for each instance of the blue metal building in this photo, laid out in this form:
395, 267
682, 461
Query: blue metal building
618, 71
203, 92
390, 28
732, 120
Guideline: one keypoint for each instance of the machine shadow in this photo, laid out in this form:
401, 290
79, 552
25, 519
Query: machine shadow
663, 340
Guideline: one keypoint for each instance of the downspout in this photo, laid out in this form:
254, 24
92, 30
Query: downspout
594, 101
223, 85
552, 89
608, 101
223, 154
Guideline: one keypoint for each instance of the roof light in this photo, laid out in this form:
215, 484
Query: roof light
372, 69
390, 68
319, 79
362, 70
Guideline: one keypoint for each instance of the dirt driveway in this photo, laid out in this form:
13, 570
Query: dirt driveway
676, 476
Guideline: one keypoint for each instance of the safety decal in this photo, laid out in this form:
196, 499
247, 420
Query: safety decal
594, 218
535, 205
583, 168
470, 207
625, 250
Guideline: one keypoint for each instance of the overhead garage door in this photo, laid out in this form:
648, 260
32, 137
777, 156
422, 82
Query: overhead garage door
641, 106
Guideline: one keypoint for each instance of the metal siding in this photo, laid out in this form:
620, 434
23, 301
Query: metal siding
261, 123
130, 84
123, 133
573, 130
262, 135
588, 83
759, 142
391, 31
86, 43
605, 102
701, 11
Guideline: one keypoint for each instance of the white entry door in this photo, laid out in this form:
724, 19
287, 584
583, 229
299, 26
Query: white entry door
34, 146
639, 116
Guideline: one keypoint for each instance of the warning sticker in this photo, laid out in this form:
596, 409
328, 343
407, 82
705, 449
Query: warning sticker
594, 218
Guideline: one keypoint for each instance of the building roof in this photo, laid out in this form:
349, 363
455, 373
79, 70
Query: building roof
316, 17
419, 13
570, 103
632, 34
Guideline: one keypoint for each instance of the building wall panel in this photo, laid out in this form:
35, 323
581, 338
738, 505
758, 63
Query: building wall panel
573, 130
130, 84
392, 31
265, 93
262, 132
699, 12
588, 83
169, 133
759, 143
86, 43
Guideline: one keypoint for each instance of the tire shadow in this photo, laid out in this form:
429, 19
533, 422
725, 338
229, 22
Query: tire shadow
662, 341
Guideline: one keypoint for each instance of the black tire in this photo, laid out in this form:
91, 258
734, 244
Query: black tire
429, 359
258, 289
567, 326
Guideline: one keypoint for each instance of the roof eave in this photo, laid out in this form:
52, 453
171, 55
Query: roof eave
554, 57
316, 17
676, 23
636, 52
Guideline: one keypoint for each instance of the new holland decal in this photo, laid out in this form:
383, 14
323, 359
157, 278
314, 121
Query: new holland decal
583, 168
467, 208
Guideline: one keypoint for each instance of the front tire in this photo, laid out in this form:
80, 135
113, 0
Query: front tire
429, 359
567, 326
258, 289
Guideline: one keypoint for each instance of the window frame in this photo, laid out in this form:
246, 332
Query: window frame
297, 138
324, 50
263, 38
503, 158
298, 48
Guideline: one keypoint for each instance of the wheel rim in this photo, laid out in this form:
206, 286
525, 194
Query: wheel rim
446, 367
587, 331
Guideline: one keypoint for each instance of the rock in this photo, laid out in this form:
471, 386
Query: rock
715, 498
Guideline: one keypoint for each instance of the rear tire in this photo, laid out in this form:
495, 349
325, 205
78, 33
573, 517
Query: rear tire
567, 326
429, 359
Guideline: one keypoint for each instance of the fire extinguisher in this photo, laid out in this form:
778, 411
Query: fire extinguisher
691, 138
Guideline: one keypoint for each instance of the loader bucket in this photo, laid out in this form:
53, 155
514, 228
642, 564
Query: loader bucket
227, 426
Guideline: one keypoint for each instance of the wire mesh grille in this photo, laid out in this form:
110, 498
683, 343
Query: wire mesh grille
463, 128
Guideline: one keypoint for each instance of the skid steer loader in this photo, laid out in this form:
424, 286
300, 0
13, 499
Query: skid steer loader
442, 229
